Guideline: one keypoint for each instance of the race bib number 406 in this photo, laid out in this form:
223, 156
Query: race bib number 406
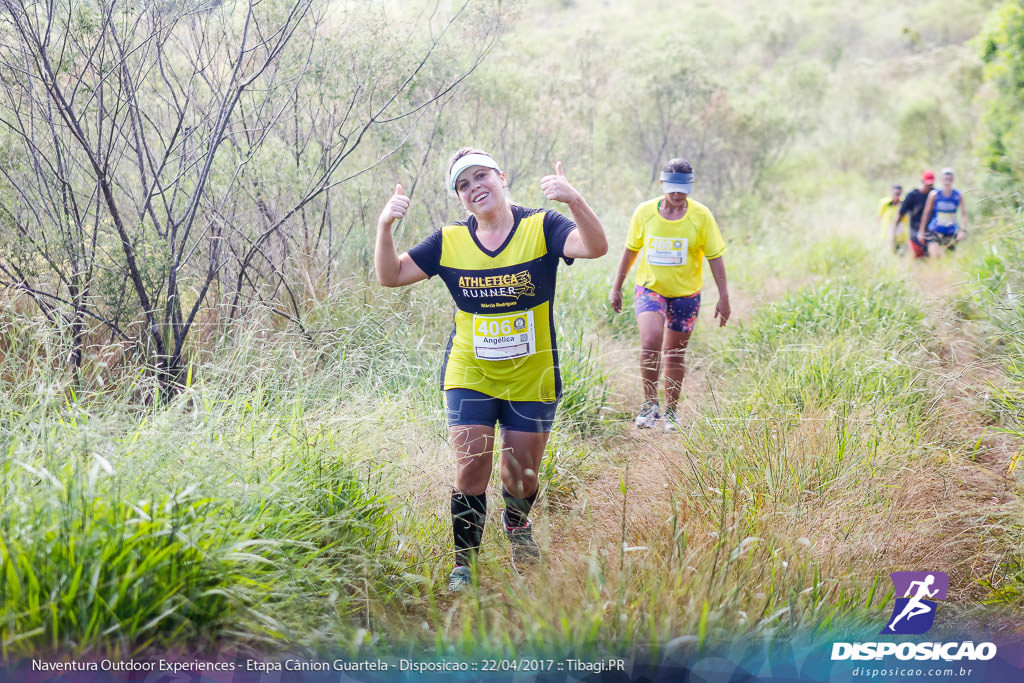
502, 337
666, 251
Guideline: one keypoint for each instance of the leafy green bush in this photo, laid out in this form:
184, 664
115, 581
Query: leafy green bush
1002, 147
834, 307
82, 567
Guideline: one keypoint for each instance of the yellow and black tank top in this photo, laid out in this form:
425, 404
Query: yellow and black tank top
503, 343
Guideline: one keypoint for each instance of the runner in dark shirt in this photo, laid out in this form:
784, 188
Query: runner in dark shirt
913, 206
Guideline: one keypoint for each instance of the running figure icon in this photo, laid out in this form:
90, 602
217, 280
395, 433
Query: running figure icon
914, 606
914, 612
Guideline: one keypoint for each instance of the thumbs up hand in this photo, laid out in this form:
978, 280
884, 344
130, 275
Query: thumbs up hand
395, 209
557, 187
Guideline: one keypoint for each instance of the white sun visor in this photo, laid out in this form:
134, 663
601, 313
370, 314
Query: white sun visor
466, 162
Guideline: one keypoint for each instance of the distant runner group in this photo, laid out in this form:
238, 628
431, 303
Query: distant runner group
501, 364
929, 221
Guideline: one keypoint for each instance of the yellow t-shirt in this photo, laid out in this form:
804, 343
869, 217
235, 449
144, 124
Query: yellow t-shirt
887, 214
503, 342
672, 253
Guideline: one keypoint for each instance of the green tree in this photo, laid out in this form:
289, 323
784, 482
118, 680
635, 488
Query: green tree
926, 132
1002, 143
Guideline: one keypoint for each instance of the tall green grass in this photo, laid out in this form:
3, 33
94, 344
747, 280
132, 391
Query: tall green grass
994, 294
249, 509
293, 497
281, 499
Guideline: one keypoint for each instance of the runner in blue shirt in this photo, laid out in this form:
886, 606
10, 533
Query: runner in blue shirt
939, 228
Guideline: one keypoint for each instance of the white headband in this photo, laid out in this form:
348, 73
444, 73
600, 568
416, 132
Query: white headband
465, 162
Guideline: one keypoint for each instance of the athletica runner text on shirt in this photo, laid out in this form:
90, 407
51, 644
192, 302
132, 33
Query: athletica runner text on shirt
508, 285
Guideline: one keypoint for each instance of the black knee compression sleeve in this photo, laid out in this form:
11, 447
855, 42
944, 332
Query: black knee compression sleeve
517, 509
468, 515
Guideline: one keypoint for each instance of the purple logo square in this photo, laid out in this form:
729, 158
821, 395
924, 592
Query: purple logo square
914, 606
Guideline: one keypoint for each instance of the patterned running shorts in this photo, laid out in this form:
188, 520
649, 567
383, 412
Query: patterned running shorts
680, 312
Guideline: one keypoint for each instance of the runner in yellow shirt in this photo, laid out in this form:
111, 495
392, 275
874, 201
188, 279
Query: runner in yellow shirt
671, 235
888, 209
501, 365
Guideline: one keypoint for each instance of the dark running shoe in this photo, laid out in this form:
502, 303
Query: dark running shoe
525, 552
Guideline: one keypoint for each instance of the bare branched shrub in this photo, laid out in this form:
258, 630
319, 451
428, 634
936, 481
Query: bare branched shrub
166, 160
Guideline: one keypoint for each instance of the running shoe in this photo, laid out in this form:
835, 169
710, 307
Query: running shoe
670, 421
460, 580
525, 551
649, 414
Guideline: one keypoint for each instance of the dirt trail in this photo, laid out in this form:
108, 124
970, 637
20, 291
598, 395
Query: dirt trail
648, 461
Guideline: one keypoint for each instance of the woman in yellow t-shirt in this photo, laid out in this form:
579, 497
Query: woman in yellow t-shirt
671, 235
501, 364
